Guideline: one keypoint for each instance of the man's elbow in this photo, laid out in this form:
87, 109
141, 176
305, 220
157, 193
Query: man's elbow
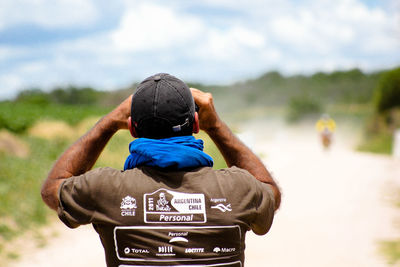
47, 198
277, 197
48, 195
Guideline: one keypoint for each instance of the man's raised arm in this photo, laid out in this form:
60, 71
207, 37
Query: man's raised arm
232, 149
83, 154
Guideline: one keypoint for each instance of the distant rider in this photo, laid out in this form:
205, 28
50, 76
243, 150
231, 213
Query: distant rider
326, 127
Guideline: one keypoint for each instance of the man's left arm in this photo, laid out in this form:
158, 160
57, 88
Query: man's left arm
83, 154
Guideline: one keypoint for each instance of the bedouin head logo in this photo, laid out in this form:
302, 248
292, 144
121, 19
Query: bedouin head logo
162, 203
128, 202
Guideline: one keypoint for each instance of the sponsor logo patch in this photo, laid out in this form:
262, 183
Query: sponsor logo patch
128, 206
166, 206
222, 207
183, 244
220, 204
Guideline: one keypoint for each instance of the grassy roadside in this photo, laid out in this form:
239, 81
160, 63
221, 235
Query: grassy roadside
391, 250
21, 206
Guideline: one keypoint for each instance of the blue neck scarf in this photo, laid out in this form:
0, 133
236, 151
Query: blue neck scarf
176, 153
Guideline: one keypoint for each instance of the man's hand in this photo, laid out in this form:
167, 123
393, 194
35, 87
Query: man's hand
83, 154
119, 116
208, 116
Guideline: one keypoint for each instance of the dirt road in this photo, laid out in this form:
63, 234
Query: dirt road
336, 206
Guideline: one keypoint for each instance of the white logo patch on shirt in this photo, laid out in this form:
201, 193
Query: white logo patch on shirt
166, 206
128, 206
220, 204
222, 207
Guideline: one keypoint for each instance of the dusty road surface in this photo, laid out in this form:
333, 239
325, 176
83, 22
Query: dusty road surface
336, 207
336, 204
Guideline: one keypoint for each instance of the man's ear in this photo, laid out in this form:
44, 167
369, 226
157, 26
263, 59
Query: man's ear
196, 124
131, 128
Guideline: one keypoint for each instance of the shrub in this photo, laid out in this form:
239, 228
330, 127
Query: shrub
301, 107
378, 134
33, 96
75, 95
387, 93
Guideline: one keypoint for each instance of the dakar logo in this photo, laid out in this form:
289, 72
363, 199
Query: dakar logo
162, 203
128, 206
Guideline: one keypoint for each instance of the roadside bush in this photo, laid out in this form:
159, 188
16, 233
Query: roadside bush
378, 135
387, 93
75, 95
70, 95
15, 119
33, 96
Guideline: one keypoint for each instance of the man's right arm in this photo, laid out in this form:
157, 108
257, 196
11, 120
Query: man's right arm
232, 149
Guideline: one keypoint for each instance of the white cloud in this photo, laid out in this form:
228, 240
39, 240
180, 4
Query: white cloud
245, 37
175, 35
34, 68
149, 27
332, 25
228, 45
9, 83
48, 13
9, 52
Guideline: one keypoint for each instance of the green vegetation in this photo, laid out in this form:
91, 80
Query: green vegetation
303, 107
273, 89
212, 150
379, 136
301, 95
20, 181
380, 144
298, 97
386, 119
18, 116
379, 129
387, 93
69, 96
391, 249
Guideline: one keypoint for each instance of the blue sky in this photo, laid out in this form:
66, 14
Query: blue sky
110, 44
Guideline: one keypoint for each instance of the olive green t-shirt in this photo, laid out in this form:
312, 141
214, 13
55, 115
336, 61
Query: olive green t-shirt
152, 217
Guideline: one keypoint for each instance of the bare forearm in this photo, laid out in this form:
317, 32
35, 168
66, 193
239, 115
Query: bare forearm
83, 154
238, 154
77, 159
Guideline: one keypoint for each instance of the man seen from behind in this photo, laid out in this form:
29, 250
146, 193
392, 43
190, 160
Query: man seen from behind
168, 206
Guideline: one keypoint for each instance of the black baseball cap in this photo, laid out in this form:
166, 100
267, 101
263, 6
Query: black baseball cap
162, 107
